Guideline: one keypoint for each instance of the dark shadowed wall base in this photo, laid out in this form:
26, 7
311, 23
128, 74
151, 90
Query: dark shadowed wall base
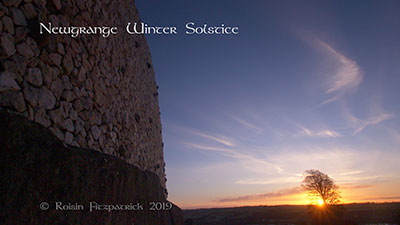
37, 168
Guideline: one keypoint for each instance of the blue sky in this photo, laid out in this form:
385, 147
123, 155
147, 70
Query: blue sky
305, 85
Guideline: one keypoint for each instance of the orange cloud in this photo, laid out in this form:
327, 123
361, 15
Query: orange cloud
277, 194
349, 186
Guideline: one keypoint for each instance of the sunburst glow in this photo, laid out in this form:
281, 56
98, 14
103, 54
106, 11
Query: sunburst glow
321, 202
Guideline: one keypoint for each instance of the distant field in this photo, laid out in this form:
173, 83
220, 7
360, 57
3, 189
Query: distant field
365, 213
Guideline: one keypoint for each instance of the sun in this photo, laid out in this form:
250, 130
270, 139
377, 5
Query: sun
321, 202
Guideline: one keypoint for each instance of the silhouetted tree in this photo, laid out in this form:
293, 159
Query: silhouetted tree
320, 185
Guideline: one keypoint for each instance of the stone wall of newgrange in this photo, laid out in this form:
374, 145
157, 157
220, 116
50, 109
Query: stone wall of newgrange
90, 91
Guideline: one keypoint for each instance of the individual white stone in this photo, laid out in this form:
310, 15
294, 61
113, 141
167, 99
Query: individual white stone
20, 33
113, 136
7, 83
95, 118
25, 50
74, 143
31, 94
90, 141
55, 58
46, 73
57, 87
102, 139
73, 114
66, 82
69, 96
67, 63
8, 24
7, 46
34, 76
18, 17
69, 138
46, 98
12, 99
82, 74
12, 2
57, 132
56, 117
33, 46
89, 84
81, 141
78, 105
95, 132
83, 132
60, 48
79, 125
57, 4
75, 47
64, 108
42, 118
29, 11
69, 125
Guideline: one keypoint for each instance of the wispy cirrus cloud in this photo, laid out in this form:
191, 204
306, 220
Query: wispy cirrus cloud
394, 134
248, 160
248, 125
322, 133
383, 198
352, 172
276, 194
280, 180
374, 119
353, 186
221, 140
346, 75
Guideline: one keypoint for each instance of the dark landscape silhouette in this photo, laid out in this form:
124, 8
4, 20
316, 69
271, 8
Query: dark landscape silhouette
344, 214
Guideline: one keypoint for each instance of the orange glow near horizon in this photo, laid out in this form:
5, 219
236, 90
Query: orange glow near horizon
295, 199
378, 193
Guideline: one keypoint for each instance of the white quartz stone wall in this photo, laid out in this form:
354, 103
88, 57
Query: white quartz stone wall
90, 91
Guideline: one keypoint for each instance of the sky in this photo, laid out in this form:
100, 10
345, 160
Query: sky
304, 85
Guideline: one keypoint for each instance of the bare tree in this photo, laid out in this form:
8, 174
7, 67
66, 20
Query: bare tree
320, 185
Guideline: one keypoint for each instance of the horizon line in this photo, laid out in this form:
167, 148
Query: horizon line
244, 206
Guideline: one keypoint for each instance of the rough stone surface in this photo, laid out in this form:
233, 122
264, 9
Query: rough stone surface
96, 132
42, 118
46, 98
57, 4
56, 58
36, 167
7, 83
11, 2
8, 24
68, 63
25, 50
69, 139
90, 91
57, 87
18, 16
69, 125
34, 76
57, 133
12, 100
7, 45
31, 94
29, 11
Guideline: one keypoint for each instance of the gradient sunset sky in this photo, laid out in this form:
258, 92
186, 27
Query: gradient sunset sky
305, 85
